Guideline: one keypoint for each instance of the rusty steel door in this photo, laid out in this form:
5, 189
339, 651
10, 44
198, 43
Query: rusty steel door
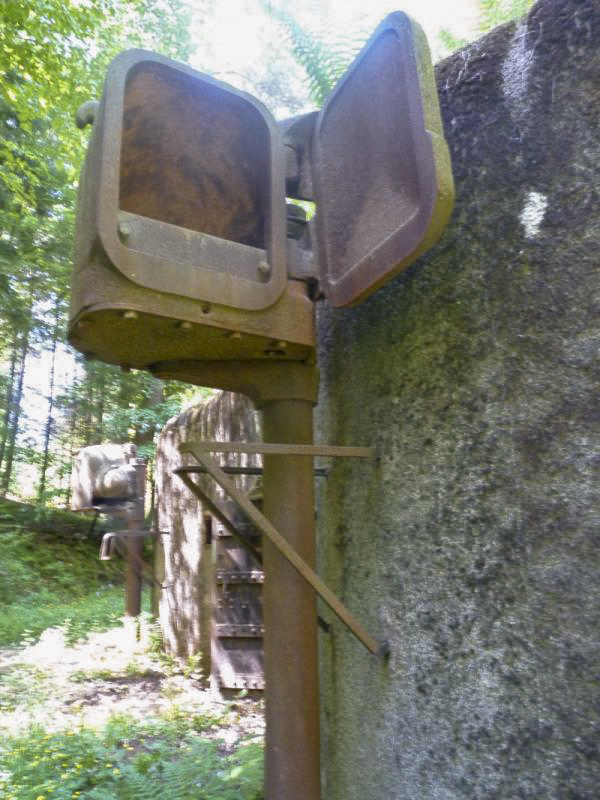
237, 620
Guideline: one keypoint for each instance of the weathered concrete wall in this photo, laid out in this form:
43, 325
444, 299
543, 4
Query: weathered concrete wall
473, 545
183, 613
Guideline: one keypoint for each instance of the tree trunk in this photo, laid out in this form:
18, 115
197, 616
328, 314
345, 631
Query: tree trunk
8, 401
13, 427
88, 426
48, 426
101, 404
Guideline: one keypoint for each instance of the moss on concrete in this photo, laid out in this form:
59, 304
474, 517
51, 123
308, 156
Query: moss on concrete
472, 544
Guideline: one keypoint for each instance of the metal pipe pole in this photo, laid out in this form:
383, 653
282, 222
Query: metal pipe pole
292, 764
135, 544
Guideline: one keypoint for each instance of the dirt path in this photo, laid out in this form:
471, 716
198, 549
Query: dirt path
59, 686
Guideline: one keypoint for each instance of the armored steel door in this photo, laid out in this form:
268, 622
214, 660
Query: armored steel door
237, 622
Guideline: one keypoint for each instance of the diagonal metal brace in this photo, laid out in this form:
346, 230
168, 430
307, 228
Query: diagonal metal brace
217, 512
214, 508
288, 552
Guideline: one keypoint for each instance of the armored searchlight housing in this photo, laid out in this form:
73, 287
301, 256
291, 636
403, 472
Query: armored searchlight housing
189, 264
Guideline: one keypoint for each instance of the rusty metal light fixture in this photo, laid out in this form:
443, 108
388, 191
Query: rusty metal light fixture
189, 265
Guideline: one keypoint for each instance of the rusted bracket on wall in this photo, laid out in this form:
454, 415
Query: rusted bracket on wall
111, 541
216, 511
200, 451
272, 449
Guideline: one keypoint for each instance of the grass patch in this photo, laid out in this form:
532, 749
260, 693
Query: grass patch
128, 760
22, 685
50, 575
22, 622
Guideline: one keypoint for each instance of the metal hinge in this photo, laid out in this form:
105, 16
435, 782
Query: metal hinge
249, 576
226, 631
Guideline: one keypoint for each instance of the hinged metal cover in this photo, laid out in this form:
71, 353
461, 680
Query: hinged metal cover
103, 475
381, 168
190, 184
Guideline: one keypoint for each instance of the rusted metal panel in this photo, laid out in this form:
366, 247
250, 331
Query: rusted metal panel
380, 165
183, 149
180, 248
237, 629
116, 321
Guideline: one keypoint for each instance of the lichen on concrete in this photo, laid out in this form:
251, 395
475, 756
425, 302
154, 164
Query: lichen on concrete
471, 544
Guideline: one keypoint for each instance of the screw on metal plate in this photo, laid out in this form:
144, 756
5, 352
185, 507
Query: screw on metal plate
276, 349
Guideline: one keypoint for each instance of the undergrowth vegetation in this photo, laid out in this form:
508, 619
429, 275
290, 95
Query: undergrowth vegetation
129, 760
50, 575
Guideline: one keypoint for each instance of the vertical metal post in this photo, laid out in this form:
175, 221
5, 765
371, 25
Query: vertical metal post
135, 522
286, 393
207, 600
292, 770
158, 571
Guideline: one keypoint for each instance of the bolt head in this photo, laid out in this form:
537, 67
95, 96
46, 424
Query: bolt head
263, 268
124, 229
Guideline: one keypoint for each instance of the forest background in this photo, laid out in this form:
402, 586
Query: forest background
53, 57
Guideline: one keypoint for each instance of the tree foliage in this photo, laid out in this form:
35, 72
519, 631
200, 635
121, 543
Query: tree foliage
496, 12
53, 57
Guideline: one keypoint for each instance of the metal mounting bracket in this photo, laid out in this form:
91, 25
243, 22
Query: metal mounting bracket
200, 452
109, 540
112, 540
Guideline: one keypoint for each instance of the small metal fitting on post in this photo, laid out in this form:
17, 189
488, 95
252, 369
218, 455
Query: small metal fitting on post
263, 270
296, 220
86, 113
124, 229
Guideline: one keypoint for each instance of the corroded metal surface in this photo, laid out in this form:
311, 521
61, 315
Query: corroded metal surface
174, 147
380, 165
292, 754
117, 321
277, 449
237, 631
287, 551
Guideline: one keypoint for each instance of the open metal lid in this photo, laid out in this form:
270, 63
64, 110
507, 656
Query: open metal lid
380, 165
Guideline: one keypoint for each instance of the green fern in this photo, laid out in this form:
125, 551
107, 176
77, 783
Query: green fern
160, 763
323, 60
199, 773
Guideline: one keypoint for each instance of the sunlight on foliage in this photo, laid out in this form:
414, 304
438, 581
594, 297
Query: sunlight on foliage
496, 12
128, 760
